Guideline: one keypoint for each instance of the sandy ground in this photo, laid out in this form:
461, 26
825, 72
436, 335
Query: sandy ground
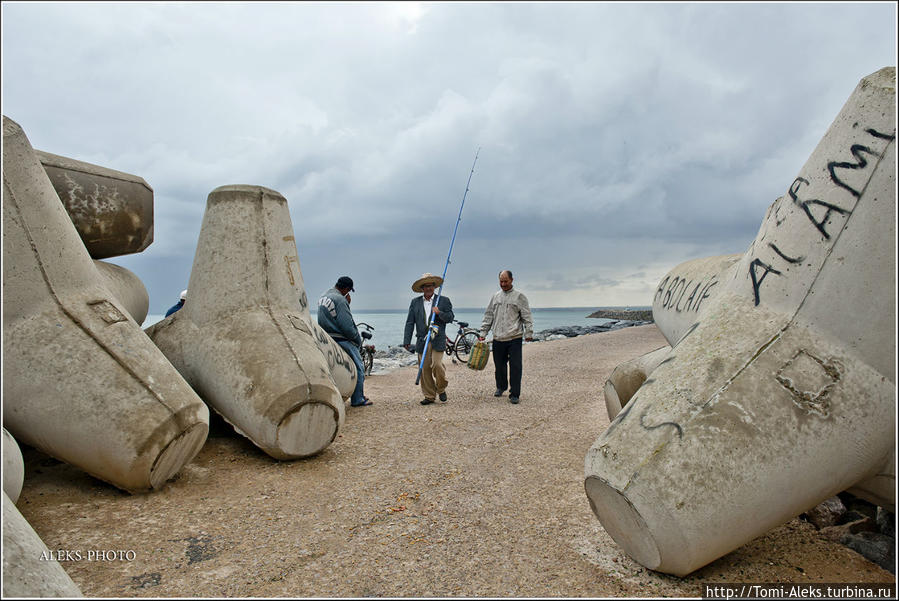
472, 498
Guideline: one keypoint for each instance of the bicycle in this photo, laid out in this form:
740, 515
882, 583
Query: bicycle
464, 341
368, 350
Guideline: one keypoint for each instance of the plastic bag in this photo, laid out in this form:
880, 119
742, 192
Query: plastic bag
477, 359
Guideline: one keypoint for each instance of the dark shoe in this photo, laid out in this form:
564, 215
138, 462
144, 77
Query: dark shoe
442, 397
427, 401
513, 400
498, 392
364, 403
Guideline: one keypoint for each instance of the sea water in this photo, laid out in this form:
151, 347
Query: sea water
389, 324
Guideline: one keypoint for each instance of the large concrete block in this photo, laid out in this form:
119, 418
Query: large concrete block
13, 467
112, 211
244, 338
782, 393
81, 381
30, 569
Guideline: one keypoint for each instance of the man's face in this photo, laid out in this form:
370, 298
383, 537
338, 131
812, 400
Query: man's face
428, 290
505, 282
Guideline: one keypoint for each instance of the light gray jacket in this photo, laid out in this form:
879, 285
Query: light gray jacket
509, 315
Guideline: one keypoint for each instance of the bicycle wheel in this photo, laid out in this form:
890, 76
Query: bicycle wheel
368, 361
464, 346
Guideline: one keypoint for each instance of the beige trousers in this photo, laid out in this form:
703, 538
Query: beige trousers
433, 374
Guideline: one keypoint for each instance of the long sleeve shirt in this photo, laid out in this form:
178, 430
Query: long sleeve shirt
509, 316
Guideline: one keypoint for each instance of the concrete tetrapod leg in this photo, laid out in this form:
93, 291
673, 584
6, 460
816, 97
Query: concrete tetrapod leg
13, 467
112, 211
776, 399
628, 377
340, 364
30, 569
127, 288
81, 380
244, 339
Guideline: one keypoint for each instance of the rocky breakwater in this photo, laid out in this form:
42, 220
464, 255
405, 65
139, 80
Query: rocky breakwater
560, 332
626, 314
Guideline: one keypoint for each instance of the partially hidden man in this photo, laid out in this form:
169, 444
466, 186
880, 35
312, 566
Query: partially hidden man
509, 316
337, 321
433, 373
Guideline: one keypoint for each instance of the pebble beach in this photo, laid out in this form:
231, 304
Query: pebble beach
475, 497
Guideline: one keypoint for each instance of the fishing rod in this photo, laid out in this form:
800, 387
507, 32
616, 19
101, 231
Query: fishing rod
424, 352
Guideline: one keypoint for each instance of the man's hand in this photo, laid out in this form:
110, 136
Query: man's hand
529, 339
435, 311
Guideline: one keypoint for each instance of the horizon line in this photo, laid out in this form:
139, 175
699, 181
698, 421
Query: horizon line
591, 308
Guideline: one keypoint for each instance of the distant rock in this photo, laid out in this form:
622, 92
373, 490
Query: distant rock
572, 331
627, 314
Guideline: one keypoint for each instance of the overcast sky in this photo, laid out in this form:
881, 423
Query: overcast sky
617, 140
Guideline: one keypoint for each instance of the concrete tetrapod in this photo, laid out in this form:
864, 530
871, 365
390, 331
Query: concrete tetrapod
29, 567
676, 303
13, 467
81, 380
774, 401
244, 339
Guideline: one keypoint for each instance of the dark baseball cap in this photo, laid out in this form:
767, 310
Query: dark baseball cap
345, 282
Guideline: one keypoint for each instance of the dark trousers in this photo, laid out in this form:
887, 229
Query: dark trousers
508, 352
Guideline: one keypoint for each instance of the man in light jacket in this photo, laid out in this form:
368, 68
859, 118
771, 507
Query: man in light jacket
433, 373
509, 315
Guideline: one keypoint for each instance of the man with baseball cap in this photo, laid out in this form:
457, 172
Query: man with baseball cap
433, 374
335, 318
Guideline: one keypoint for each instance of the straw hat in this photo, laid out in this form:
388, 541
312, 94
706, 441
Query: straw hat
426, 278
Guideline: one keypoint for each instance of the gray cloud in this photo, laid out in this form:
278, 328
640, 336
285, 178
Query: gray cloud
617, 140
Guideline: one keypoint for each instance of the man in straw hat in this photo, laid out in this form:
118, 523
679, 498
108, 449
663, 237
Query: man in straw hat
433, 374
